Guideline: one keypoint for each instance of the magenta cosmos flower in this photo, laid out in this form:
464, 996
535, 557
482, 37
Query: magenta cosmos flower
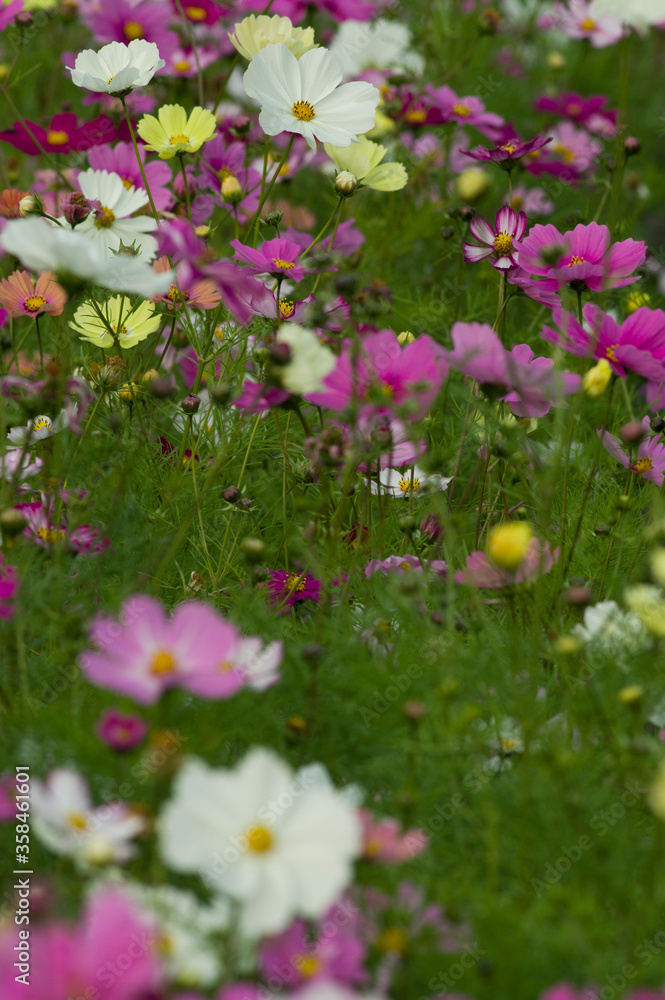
502, 242
588, 111
333, 953
284, 589
482, 573
8, 588
448, 107
404, 564
63, 135
277, 257
123, 21
637, 344
649, 460
146, 651
111, 931
121, 160
119, 731
510, 150
21, 296
583, 257
385, 374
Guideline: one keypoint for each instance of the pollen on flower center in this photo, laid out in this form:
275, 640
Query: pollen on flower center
461, 110
128, 182
225, 666
393, 939
509, 147
642, 465
176, 140
286, 265
407, 486
294, 583
41, 422
303, 110
50, 535
503, 243
307, 965
181, 66
162, 662
609, 353
175, 295
575, 260
133, 30
105, 219
286, 307
57, 138
195, 13
77, 821
588, 24
34, 303
259, 839
387, 390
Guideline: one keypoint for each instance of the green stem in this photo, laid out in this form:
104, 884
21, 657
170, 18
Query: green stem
186, 183
265, 193
138, 157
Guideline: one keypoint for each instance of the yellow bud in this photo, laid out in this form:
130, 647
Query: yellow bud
556, 60
231, 190
509, 543
128, 392
149, 376
472, 184
405, 337
567, 645
203, 232
597, 379
636, 300
346, 183
630, 694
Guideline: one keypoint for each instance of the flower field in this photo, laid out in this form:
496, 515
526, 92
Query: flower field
332, 514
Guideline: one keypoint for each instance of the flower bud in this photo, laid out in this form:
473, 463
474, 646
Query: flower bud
203, 232
579, 596
346, 183
232, 494
27, 204
597, 379
431, 527
190, 404
12, 521
272, 219
472, 184
632, 145
252, 549
657, 424
241, 124
296, 724
405, 337
77, 208
407, 524
631, 694
128, 392
467, 213
231, 190
414, 710
567, 645
636, 300
509, 543
632, 433
447, 232
280, 353
161, 387
556, 60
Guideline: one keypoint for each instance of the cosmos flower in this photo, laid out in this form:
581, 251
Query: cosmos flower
38, 428
174, 133
16, 464
509, 151
405, 564
63, 135
120, 159
21, 296
408, 482
120, 322
463, 111
304, 96
115, 221
587, 19
333, 953
278, 258
253, 33
119, 731
124, 21
116, 68
501, 242
284, 589
363, 160
382, 45
384, 842
282, 844
648, 462
482, 573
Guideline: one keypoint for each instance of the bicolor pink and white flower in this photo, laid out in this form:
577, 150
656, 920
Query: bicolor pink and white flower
501, 242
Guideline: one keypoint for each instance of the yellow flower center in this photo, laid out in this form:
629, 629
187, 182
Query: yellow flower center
503, 243
303, 111
405, 566
509, 147
642, 465
128, 182
165, 944
50, 535
406, 486
178, 140
286, 307
393, 939
373, 845
575, 260
77, 821
294, 582
259, 839
57, 138
162, 662
286, 265
41, 423
609, 353
107, 218
226, 666
175, 295
133, 30
415, 117
307, 965
34, 303
109, 81
195, 13
565, 152
181, 66
508, 744
387, 390
517, 202
588, 24
461, 110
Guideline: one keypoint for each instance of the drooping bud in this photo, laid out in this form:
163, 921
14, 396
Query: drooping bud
632, 146
190, 404
272, 219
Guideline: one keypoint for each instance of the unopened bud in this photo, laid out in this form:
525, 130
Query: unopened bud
76, 208
447, 232
407, 524
597, 379
160, 387
414, 710
203, 232
657, 424
467, 213
346, 183
231, 190
431, 527
221, 393
567, 645
280, 353
632, 433
128, 392
296, 724
579, 596
556, 60
241, 124
405, 337
232, 494
149, 376
632, 145
253, 549
190, 404
472, 184
272, 218
28, 204
12, 521
631, 694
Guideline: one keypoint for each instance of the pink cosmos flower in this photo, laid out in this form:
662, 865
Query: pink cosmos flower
147, 652
121, 160
482, 573
502, 242
572, 153
198, 11
332, 953
21, 296
384, 842
63, 135
533, 382
637, 344
119, 731
182, 62
222, 160
198, 293
649, 460
257, 397
123, 21
44, 531
383, 373
463, 110
578, 19
284, 589
8, 13
404, 564
276, 257
510, 150
8, 588
380, 430
583, 257
532, 201
110, 934
587, 111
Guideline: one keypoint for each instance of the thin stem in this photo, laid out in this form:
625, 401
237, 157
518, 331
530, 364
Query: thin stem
265, 194
186, 183
138, 157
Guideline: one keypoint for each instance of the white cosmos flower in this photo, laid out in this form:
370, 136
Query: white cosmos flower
117, 68
259, 664
43, 246
309, 363
637, 14
113, 223
37, 429
303, 95
65, 820
401, 483
610, 631
380, 44
280, 843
